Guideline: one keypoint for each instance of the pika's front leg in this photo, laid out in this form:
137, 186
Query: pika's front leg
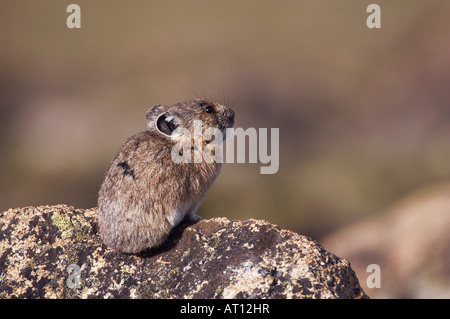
190, 216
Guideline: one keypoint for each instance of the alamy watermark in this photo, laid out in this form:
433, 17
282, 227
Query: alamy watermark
374, 279
73, 280
373, 21
208, 145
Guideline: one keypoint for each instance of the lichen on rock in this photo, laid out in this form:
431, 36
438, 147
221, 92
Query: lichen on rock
215, 258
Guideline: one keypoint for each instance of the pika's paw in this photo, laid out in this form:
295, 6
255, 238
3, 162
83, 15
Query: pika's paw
192, 218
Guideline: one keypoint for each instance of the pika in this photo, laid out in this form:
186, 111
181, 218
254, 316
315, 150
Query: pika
145, 194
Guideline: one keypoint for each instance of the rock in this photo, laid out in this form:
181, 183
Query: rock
215, 258
410, 242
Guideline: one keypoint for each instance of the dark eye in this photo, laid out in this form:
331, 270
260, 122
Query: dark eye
209, 109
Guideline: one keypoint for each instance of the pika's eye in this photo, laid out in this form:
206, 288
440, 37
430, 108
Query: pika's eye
209, 109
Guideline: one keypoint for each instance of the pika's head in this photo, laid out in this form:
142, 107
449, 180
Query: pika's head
168, 121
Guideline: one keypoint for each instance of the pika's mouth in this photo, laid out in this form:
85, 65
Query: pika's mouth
224, 133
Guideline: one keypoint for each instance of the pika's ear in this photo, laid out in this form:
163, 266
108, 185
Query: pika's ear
166, 123
153, 113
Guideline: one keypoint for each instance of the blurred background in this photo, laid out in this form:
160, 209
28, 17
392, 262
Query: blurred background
364, 115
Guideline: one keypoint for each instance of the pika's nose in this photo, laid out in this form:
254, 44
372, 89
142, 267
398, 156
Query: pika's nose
230, 114
230, 117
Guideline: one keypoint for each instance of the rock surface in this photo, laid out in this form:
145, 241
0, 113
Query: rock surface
216, 258
410, 242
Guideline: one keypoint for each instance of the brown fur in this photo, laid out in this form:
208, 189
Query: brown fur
145, 194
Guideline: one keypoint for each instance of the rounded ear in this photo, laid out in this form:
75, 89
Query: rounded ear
166, 124
153, 113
